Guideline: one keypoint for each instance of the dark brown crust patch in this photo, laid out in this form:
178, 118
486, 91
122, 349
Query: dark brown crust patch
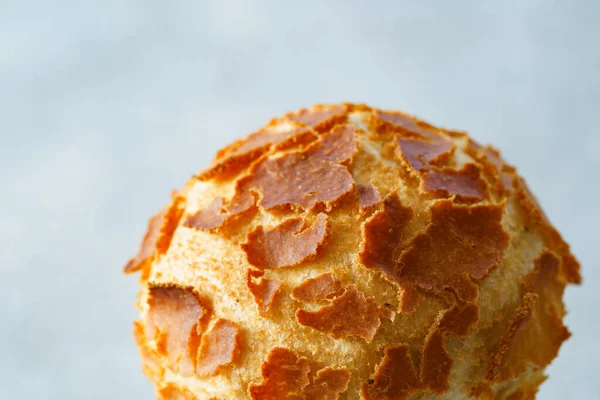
351, 314
395, 377
220, 347
298, 180
384, 234
419, 153
494, 166
286, 376
436, 364
176, 320
286, 244
210, 217
322, 118
368, 196
159, 234
320, 288
337, 146
462, 243
328, 384
459, 320
234, 158
419, 144
466, 184
263, 290
405, 122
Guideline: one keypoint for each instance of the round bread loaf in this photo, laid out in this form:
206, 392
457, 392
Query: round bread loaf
345, 252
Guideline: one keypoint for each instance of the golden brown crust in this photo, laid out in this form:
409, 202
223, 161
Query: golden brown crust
345, 252
152, 360
173, 392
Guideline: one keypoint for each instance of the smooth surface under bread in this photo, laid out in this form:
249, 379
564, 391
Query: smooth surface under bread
344, 252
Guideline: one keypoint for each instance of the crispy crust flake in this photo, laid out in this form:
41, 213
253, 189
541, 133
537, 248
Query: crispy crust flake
462, 244
321, 288
384, 234
157, 239
321, 118
263, 290
337, 146
494, 166
287, 376
234, 158
351, 314
210, 217
436, 364
298, 180
368, 196
537, 331
465, 184
219, 212
419, 154
459, 320
328, 384
287, 244
219, 348
176, 320
395, 378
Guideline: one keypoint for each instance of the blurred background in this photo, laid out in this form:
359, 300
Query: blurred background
106, 106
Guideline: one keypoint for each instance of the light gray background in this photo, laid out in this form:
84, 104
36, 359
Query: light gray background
106, 106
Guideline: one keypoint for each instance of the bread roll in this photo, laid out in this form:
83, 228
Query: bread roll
345, 252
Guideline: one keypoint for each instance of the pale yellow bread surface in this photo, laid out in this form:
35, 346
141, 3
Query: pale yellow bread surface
344, 252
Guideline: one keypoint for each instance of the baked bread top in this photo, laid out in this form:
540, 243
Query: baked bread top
345, 252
